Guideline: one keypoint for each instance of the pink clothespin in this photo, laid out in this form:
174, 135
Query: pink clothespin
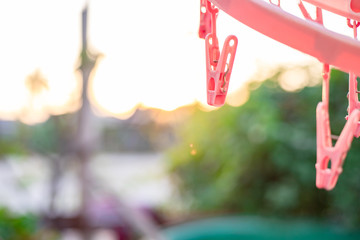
218, 65
353, 84
326, 177
205, 20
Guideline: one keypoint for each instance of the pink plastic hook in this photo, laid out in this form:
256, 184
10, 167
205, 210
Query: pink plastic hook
218, 65
353, 100
318, 19
213, 12
353, 84
277, 4
345, 8
326, 177
205, 20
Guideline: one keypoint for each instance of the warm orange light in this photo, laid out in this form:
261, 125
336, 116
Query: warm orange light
152, 56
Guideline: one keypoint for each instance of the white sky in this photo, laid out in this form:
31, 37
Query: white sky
151, 52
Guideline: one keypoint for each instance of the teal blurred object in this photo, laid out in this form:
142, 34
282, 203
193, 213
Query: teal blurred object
258, 228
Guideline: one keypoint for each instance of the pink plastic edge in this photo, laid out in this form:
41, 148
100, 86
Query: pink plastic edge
308, 37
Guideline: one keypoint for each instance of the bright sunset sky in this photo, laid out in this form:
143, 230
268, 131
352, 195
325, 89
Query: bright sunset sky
152, 55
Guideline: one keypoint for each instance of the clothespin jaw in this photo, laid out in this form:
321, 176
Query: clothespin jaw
326, 177
219, 68
205, 20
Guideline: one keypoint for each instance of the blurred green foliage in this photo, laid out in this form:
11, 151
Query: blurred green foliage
259, 158
17, 227
11, 147
50, 137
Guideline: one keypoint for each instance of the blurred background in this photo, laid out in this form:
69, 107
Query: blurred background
105, 133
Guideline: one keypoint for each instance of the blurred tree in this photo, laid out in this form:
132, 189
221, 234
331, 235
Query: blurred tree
36, 83
17, 227
37, 90
259, 158
11, 147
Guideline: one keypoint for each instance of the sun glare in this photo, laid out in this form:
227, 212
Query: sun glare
152, 56
111, 92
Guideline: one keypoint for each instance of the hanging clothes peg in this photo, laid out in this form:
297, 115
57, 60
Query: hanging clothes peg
218, 65
353, 97
326, 177
205, 20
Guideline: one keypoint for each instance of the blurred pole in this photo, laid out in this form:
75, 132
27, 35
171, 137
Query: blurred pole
86, 142
85, 138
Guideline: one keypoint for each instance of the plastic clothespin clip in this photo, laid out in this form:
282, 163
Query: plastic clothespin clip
218, 66
205, 20
353, 97
326, 177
